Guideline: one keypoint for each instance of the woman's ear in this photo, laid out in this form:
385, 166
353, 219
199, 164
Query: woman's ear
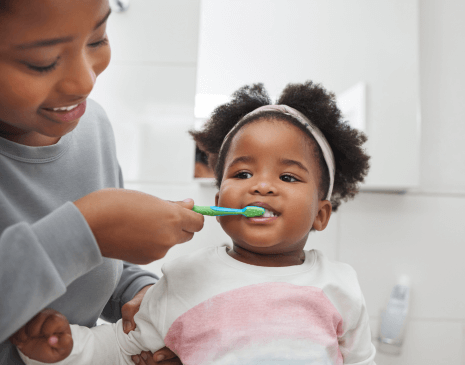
324, 213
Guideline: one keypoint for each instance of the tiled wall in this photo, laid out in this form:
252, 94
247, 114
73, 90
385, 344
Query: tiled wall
422, 234
151, 85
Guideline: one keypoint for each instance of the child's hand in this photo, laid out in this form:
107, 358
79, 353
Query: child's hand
45, 338
137, 227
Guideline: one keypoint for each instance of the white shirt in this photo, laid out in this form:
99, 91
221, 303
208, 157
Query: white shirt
212, 309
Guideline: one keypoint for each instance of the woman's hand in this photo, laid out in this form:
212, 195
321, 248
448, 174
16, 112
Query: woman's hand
129, 310
45, 338
163, 356
138, 227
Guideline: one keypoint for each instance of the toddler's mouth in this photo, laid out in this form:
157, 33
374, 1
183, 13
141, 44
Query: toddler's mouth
270, 212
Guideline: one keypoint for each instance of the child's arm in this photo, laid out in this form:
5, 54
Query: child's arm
355, 345
108, 344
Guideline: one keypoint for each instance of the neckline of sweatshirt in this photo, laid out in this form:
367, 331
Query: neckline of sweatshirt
30, 154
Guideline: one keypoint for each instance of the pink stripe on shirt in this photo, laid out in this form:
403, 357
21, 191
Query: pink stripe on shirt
262, 316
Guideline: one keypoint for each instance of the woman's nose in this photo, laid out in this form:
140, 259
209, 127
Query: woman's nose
79, 78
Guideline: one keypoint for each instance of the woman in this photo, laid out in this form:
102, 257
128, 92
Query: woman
64, 223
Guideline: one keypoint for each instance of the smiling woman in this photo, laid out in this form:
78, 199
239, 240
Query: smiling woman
66, 224
51, 70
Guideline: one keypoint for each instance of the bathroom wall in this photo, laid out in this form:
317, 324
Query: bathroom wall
337, 43
149, 92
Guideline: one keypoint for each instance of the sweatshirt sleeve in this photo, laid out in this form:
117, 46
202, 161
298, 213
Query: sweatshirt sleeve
39, 261
355, 345
97, 345
133, 279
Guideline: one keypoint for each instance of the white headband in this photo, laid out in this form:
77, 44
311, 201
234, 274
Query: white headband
319, 137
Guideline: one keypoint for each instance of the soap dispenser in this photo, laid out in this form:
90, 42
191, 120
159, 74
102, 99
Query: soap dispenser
393, 319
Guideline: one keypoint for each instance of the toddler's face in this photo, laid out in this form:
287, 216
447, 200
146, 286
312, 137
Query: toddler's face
51, 52
271, 164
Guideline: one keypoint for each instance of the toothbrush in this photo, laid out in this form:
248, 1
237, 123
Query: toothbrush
249, 212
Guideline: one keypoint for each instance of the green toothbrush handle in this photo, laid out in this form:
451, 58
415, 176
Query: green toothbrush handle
206, 210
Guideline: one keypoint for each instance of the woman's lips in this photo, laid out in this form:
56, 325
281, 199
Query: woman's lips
67, 115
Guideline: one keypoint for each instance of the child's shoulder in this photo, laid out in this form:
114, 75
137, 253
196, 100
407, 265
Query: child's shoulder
338, 276
190, 263
336, 267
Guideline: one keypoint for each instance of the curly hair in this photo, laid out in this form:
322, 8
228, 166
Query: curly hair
319, 106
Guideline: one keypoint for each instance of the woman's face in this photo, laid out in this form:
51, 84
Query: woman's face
51, 52
272, 164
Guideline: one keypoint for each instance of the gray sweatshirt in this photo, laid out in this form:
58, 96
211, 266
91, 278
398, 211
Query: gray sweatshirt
48, 255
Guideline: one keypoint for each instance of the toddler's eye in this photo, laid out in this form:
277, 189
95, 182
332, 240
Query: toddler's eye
243, 175
288, 178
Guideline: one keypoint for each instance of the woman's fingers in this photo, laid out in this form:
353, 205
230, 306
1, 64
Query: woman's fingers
58, 333
129, 310
165, 356
145, 358
137, 227
19, 337
192, 222
185, 236
65, 345
55, 322
34, 326
174, 361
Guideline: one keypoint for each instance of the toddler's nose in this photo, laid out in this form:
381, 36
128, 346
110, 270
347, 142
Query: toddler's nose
264, 188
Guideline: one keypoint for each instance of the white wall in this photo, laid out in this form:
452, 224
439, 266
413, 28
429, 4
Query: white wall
382, 236
148, 89
337, 43
421, 234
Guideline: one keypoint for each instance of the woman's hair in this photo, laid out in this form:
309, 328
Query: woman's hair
5, 7
319, 106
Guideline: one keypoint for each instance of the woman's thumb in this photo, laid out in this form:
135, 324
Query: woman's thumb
186, 203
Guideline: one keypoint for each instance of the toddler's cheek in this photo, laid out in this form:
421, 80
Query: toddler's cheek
300, 221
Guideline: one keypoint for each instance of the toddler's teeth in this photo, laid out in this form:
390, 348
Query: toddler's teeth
268, 214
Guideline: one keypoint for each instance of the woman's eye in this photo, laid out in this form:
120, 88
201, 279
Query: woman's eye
243, 175
43, 69
100, 43
288, 178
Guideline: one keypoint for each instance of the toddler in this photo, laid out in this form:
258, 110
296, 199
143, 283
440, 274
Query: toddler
264, 299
